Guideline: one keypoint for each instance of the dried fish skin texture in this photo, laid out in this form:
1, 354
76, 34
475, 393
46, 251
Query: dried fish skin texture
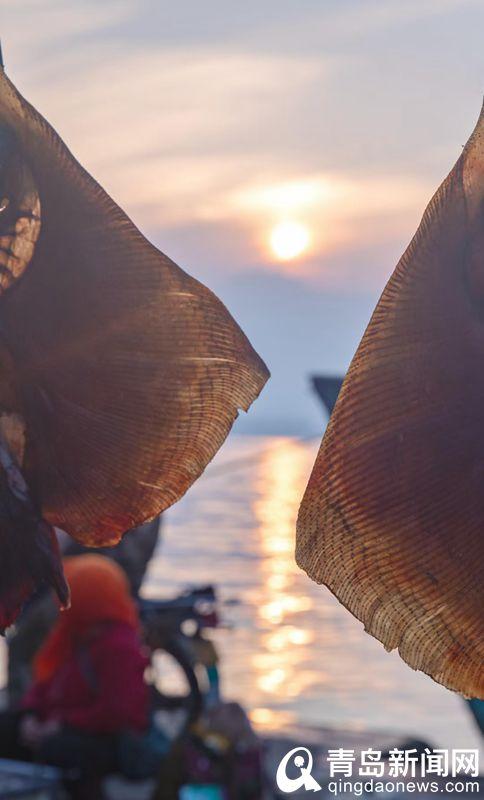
392, 520
129, 372
19, 211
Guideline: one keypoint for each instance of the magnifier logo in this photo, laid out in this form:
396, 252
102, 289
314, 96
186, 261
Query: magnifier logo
304, 762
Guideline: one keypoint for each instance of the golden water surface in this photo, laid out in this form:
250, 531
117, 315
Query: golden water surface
291, 653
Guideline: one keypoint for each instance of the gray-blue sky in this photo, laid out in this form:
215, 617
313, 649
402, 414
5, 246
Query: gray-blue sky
199, 117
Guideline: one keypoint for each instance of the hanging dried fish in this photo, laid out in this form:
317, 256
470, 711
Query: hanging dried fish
120, 375
392, 520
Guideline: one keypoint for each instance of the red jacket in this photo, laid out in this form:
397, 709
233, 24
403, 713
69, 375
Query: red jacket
101, 688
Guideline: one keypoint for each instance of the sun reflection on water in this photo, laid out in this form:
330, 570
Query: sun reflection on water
279, 665
290, 653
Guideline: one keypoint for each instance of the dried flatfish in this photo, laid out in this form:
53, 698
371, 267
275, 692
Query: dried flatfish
392, 520
126, 372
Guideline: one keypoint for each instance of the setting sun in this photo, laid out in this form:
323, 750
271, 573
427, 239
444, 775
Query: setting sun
289, 240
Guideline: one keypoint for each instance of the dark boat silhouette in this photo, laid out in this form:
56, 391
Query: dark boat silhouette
327, 388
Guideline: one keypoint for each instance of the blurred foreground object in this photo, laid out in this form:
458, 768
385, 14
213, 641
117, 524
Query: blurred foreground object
133, 554
392, 520
120, 374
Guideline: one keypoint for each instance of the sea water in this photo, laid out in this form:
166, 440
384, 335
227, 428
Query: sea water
292, 654
289, 652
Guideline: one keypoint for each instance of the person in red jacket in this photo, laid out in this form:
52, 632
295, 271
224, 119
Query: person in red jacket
88, 680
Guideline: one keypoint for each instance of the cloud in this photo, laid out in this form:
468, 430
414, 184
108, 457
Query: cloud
241, 119
168, 133
183, 138
335, 25
149, 104
30, 28
211, 121
340, 200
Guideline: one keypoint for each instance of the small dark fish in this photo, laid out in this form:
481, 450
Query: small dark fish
120, 375
393, 516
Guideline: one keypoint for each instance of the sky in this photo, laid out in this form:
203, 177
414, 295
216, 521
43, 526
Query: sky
280, 151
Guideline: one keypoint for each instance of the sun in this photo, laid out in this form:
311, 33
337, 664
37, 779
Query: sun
289, 240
